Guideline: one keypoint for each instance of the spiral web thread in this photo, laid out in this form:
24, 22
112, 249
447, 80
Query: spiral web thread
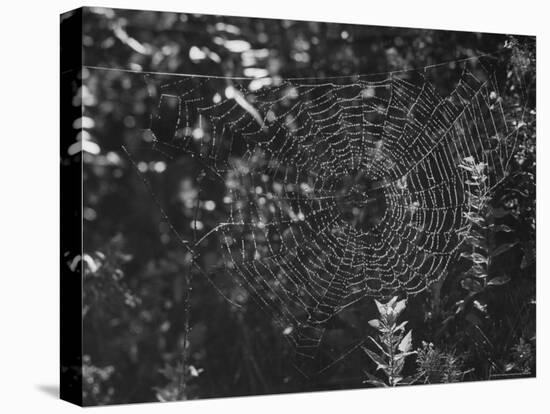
337, 189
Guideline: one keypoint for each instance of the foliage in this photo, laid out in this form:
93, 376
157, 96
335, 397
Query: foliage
475, 233
103, 279
523, 358
393, 345
435, 366
96, 386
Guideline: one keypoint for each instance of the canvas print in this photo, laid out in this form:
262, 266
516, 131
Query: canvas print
256, 206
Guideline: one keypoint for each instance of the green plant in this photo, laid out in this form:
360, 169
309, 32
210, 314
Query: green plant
475, 233
523, 358
393, 345
435, 366
105, 290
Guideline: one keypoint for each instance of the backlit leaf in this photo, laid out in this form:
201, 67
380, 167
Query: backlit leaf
406, 342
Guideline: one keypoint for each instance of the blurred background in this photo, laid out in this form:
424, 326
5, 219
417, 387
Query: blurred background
148, 336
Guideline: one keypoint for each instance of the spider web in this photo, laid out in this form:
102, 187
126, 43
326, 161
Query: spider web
339, 189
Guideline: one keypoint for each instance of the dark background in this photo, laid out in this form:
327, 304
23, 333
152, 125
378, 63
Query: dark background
137, 301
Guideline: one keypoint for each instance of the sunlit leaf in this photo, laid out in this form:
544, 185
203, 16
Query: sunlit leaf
381, 308
375, 323
391, 303
399, 307
406, 342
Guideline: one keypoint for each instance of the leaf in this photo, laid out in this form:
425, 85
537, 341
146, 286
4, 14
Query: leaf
380, 363
391, 318
92, 265
478, 258
379, 346
374, 381
410, 380
473, 217
479, 306
400, 307
509, 367
498, 281
477, 271
460, 305
466, 167
194, 371
501, 227
375, 323
381, 308
401, 326
406, 342
391, 303
403, 355
502, 248
398, 367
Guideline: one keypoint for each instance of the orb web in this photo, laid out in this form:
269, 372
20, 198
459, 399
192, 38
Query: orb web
335, 190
